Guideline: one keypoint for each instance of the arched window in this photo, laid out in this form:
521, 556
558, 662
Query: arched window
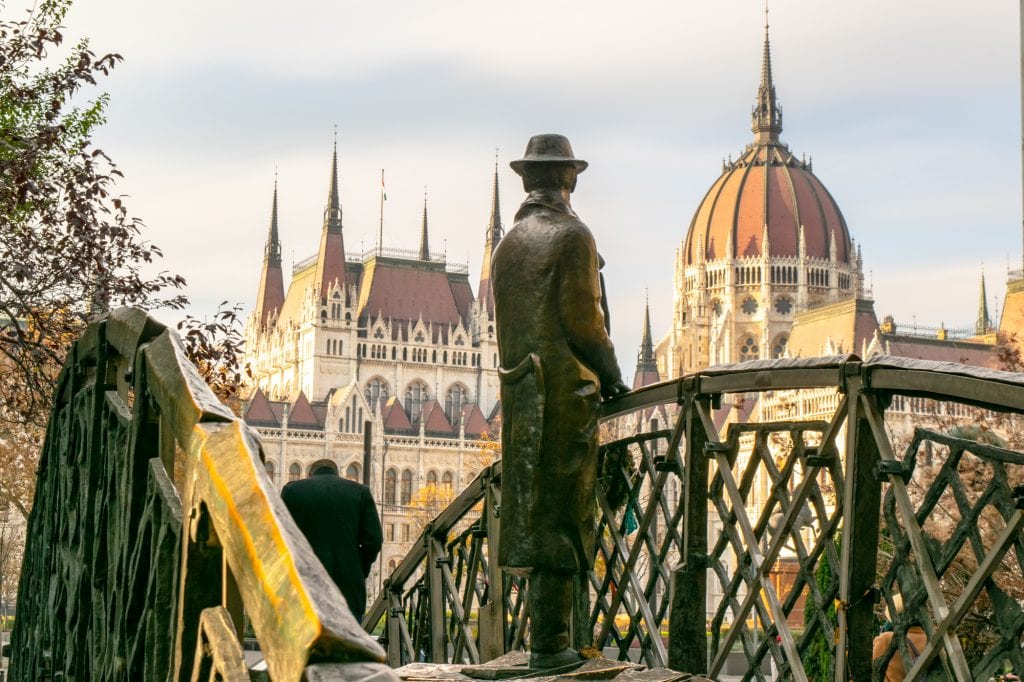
453, 403
353, 472
390, 482
415, 398
269, 466
294, 471
749, 349
432, 478
448, 480
376, 393
779, 345
406, 497
392, 565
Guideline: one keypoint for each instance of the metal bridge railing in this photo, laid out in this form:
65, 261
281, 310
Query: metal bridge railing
700, 520
156, 534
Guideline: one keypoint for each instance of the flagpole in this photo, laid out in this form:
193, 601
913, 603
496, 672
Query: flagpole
380, 235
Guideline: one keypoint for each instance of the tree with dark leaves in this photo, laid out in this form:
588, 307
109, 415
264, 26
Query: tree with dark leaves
68, 246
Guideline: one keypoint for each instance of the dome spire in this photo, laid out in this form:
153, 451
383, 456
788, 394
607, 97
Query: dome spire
767, 114
424, 237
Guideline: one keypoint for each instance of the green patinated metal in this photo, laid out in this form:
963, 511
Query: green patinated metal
134, 569
661, 490
135, 566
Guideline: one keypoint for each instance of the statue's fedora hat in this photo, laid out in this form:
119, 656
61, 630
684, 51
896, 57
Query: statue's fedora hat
548, 148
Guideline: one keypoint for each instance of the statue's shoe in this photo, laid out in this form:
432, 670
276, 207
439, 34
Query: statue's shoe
559, 659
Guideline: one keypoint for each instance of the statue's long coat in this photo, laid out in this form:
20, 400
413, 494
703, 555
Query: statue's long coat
555, 353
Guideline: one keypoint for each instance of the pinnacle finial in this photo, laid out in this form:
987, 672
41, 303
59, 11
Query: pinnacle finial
767, 114
984, 322
494, 226
424, 238
332, 214
272, 249
645, 360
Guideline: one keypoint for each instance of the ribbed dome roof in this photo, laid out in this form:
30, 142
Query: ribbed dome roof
767, 187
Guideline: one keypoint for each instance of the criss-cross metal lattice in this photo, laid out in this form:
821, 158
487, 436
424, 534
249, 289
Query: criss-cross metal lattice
155, 533
793, 462
965, 518
721, 539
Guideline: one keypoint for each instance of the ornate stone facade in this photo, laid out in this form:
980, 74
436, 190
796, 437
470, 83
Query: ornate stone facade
389, 349
767, 242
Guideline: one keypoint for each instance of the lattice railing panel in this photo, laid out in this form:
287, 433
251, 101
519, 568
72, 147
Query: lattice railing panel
638, 539
774, 495
965, 496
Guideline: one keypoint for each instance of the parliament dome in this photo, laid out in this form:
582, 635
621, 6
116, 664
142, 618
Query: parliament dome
767, 194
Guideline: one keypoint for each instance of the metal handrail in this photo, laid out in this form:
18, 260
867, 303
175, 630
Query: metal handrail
661, 490
184, 532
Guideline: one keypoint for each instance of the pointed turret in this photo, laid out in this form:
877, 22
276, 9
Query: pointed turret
270, 296
494, 234
767, 114
983, 325
330, 262
646, 365
424, 236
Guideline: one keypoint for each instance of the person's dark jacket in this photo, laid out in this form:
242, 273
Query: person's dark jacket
340, 520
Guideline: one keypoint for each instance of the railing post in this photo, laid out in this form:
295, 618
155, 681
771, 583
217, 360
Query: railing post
435, 586
393, 622
688, 643
492, 613
859, 551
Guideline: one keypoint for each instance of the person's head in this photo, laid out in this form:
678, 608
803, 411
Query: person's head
549, 164
324, 467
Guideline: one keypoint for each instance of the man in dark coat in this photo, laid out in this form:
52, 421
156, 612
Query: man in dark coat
557, 363
340, 520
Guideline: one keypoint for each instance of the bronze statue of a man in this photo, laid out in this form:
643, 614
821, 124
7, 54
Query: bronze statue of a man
557, 363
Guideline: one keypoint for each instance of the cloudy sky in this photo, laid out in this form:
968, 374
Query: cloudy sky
910, 110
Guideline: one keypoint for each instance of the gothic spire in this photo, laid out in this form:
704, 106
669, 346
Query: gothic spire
332, 214
494, 226
270, 296
330, 260
983, 325
272, 250
424, 236
646, 365
494, 234
767, 114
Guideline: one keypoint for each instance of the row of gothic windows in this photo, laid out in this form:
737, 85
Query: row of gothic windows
353, 472
334, 346
380, 352
403, 484
417, 395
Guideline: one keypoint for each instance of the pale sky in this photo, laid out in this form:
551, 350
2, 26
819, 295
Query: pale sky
910, 110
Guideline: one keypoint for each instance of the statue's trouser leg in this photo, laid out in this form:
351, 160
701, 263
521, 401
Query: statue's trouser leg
550, 602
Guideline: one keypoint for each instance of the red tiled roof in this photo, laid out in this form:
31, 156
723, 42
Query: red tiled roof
434, 419
330, 264
270, 296
645, 378
767, 177
394, 417
473, 420
963, 352
462, 292
259, 410
302, 415
407, 290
